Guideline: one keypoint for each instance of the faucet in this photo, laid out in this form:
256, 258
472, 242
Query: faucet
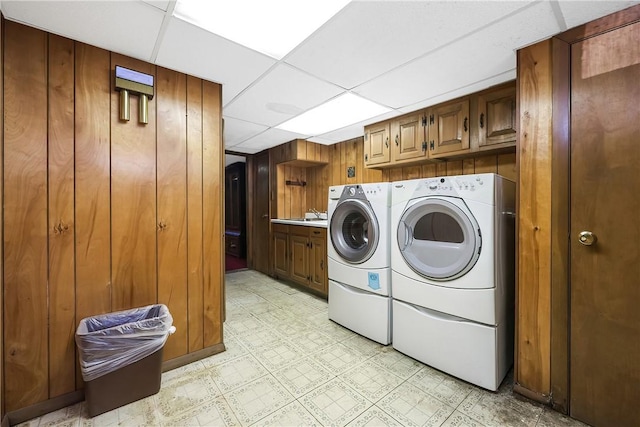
316, 213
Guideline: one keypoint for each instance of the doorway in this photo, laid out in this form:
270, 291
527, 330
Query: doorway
604, 332
235, 209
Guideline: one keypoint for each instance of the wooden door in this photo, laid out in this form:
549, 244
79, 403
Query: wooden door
449, 128
497, 117
299, 253
260, 241
318, 260
408, 137
376, 144
605, 184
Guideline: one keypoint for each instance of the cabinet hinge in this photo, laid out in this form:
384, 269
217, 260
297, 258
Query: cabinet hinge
431, 145
424, 120
424, 145
431, 119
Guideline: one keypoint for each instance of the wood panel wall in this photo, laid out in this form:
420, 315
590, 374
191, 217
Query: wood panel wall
351, 154
100, 214
533, 290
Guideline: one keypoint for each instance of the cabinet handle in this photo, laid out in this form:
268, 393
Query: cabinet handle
265, 216
396, 140
321, 264
481, 120
366, 157
465, 124
386, 142
162, 226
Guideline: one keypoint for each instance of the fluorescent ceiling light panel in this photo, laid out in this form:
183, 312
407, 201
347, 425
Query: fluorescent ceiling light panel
272, 27
337, 113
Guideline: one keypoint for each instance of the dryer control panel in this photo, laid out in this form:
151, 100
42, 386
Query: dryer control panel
459, 183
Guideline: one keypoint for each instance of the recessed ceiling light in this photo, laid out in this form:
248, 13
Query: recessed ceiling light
273, 27
337, 113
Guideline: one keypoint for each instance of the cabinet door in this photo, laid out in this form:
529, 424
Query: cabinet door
408, 137
449, 128
299, 247
376, 144
497, 117
318, 260
281, 254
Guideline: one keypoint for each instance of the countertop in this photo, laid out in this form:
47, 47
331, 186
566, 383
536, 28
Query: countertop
321, 223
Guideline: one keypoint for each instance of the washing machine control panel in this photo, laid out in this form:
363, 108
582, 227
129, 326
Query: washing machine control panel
452, 184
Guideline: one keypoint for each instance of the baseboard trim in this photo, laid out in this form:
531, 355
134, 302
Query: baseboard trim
192, 357
41, 408
538, 397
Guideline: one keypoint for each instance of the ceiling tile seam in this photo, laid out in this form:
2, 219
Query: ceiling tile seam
448, 44
249, 137
557, 12
166, 20
321, 27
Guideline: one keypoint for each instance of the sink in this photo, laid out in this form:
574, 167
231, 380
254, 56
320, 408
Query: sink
312, 216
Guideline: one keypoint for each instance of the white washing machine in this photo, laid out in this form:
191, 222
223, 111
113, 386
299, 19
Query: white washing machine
453, 274
359, 264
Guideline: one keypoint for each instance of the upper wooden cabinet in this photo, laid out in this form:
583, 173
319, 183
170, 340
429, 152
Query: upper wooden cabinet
481, 122
496, 118
303, 153
376, 144
408, 140
449, 127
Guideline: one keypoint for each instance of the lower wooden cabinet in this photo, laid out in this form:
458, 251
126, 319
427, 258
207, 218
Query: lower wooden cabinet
300, 255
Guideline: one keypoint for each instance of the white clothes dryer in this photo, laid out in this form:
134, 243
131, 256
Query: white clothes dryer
453, 263
359, 264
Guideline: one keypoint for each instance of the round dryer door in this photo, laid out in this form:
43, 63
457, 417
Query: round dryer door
439, 238
354, 231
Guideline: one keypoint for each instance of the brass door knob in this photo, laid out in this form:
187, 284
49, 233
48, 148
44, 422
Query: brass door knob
587, 238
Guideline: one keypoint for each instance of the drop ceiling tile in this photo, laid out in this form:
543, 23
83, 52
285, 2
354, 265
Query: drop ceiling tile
283, 93
579, 12
200, 53
162, 5
126, 27
237, 131
353, 131
462, 91
267, 139
369, 38
483, 55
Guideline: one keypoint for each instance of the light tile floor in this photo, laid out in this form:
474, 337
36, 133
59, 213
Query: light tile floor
286, 364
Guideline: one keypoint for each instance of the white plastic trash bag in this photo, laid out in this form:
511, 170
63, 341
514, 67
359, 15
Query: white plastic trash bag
112, 341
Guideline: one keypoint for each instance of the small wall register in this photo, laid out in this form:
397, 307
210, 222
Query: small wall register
130, 82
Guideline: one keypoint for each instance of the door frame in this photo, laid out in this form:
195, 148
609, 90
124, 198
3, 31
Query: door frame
560, 196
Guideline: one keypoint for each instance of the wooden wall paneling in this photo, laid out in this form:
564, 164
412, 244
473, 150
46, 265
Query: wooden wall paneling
411, 172
560, 226
395, 174
297, 193
92, 186
534, 219
171, 105
25, 217
213, 199
507, 166
334, 164
62, 322
468, 166
133, 197
454, 167
358, 161
2, 411
428, 170
486, 164
194, 213
441, 169
351, 160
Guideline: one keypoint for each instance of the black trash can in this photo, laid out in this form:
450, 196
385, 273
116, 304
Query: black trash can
121, 355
